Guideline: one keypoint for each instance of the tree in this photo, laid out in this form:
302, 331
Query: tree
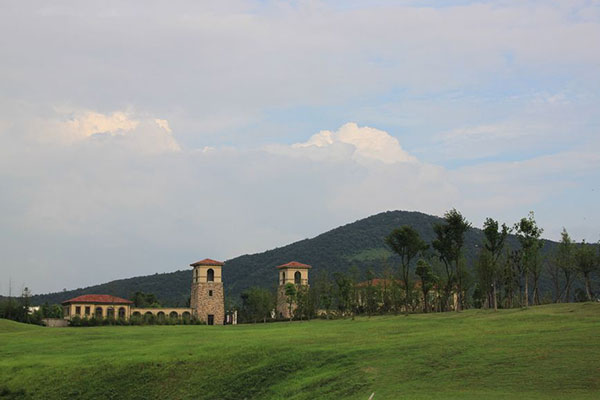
406, 243
145, 300
449, 243
257, 304
370, 294
343, 292
290, 295
586, 262
428, 280
529, 234
324, 291
484, 268
495, 236
565, 260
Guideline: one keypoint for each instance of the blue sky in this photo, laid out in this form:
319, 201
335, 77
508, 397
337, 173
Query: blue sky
136, 140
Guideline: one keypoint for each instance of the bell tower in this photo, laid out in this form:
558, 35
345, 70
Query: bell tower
295, 273
207, 299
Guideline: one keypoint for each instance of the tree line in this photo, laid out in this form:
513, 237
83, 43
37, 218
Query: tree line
434, 277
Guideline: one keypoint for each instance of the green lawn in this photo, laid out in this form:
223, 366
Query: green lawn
542, 352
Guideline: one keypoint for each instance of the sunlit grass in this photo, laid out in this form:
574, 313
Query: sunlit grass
542, 352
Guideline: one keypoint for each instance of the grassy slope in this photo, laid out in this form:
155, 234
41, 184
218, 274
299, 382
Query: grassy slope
543, 352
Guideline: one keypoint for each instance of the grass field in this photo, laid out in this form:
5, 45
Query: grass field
542, 352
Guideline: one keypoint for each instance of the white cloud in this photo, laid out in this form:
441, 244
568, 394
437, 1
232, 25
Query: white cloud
362, 144
119, 128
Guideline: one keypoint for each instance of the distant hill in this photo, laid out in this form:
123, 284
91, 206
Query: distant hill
359, 244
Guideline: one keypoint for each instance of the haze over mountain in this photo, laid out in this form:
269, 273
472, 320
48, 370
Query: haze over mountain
359, 244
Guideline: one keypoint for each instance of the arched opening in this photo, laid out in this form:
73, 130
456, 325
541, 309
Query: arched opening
110, 313
137, 314
122, 312
149, 317
186, 315
161, 316
283, 277
297, 278
99, 313
210, 275
174, 315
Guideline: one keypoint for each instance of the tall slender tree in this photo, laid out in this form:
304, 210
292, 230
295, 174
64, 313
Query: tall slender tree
495, 236
428, 280
449, 243
587, 261
565, 260
529, 234
407, 243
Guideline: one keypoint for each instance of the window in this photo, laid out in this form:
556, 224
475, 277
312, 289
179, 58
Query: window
210, 275
99, 313
78, 310
297, 278
87, 310
122, 312
210, 293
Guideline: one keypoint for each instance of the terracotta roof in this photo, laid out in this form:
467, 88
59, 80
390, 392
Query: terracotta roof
98, 298
207, 261
294, 264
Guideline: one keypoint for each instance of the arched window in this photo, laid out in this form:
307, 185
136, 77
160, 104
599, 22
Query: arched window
110, 313
122, 312
210, 275
161, 316
297, 278
99, 312
186, 315
174, 315
283, 277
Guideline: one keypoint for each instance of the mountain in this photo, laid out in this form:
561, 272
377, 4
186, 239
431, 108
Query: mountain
359, 244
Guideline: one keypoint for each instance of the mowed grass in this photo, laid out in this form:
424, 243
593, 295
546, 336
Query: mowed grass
541, 352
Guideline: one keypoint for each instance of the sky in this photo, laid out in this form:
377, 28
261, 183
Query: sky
138, 137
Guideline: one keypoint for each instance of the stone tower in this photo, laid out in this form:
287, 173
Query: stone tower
292, 272
207, 299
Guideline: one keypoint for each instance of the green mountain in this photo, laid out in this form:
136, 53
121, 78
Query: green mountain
359, 244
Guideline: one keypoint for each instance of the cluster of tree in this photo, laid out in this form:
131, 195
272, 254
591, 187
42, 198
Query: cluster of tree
505, 275
145, 300
19, 309
133, 320
436, 276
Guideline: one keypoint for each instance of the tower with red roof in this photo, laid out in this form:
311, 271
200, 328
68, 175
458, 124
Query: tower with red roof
207, 299
291, 273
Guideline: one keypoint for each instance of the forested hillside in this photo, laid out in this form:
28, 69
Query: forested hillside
359, 244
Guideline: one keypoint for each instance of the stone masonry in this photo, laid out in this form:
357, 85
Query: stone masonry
204, 305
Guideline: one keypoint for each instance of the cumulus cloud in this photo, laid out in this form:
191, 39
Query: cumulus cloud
119, 128
362, 144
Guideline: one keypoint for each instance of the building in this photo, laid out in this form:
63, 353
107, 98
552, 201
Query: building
295, 273
98, 305
207, 301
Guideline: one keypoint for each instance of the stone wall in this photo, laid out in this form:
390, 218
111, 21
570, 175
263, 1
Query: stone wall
204, 305
55, 322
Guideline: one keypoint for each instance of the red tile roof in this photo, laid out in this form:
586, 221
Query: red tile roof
98, 298
294, 264
207, 261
